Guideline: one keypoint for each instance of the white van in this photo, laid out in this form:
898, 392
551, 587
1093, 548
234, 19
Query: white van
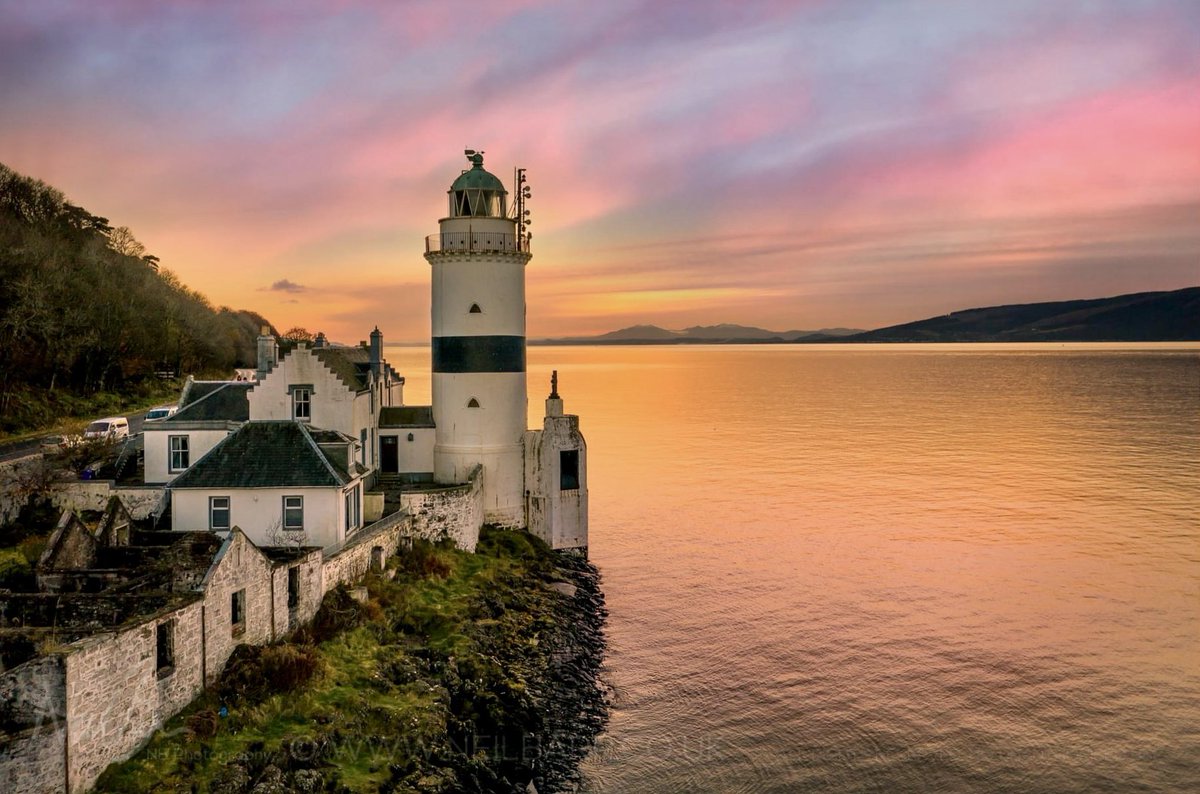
114, 427
161, 412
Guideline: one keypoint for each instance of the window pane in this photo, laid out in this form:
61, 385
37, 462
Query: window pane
218, 508
180, 457
301, 404
293, 512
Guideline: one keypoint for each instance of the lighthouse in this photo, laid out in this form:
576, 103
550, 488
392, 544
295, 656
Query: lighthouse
478, 263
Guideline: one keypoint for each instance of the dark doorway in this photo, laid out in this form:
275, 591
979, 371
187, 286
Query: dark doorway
389, 454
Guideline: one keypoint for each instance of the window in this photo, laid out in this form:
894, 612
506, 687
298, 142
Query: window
166, 647
237, 612
473, 403
293, 587
475, 309
362, 446
293, 513
218, 512
568, 469
351, 510
302, 404
180, 457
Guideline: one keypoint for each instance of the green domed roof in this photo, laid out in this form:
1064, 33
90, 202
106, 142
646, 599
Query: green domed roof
476, 178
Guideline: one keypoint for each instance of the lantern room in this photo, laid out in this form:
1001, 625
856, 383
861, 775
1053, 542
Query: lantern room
477, 193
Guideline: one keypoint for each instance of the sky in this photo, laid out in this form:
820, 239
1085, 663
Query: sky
789, 165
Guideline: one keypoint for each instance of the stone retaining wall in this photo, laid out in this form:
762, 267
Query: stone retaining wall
454, 511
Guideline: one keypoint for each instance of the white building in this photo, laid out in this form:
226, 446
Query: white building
281, 482
470, 452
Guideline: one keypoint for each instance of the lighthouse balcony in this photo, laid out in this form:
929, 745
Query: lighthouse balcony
476, 242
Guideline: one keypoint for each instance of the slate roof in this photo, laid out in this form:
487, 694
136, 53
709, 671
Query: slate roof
200, 389
351, 365
267, 455
227, 401
407, 416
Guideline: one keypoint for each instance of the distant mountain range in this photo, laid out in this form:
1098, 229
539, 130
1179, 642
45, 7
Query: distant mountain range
1140, 317
725, 333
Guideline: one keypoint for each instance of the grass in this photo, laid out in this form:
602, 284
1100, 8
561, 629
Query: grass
437, 658
38, 413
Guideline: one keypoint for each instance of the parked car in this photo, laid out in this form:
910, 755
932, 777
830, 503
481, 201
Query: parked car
161, 412
114, 427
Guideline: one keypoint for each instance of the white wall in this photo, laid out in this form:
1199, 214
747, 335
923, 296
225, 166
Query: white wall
495, 282
491, 435
335, 406
259, 513
158, 448
416, 456
556, 516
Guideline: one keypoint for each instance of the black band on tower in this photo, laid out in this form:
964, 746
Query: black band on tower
479, 354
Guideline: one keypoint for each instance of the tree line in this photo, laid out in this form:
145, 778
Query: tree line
84, 308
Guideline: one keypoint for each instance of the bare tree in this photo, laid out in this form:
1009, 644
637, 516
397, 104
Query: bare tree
122, 241
298, 334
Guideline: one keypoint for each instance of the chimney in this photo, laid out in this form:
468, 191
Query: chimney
320, 341
554, 403
268, 353
376, 352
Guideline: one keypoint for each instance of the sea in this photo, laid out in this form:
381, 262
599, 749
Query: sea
890, 568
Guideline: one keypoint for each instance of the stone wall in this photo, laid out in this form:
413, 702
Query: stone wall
33, 726
287, 618
140, 501
454, 511
239, 566
64, 718
353, 560
117, 696
31, 760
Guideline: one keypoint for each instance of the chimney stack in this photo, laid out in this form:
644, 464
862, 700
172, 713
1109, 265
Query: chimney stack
268, 353
376, 352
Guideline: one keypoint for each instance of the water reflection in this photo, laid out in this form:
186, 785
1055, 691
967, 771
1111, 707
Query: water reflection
892, 567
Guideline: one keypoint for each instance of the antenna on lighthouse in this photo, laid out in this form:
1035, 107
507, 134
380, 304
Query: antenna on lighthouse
520, 212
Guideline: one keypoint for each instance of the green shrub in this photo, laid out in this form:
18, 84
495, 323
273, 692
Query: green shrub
339, 612
15, 571
203, 724
255, 672
423, 560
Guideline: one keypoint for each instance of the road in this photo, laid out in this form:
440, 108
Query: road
16, 450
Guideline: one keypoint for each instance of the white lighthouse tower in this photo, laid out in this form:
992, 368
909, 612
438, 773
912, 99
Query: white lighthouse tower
479, 395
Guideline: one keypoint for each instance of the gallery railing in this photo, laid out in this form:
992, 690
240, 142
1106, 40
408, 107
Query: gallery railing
475, 242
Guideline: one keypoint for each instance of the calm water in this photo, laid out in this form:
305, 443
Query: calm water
892, 568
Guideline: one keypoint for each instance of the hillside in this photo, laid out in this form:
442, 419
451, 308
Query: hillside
1140, 317
85, 310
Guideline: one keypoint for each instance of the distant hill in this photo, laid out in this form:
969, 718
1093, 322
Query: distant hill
1140, 317
724, 333
637, 333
